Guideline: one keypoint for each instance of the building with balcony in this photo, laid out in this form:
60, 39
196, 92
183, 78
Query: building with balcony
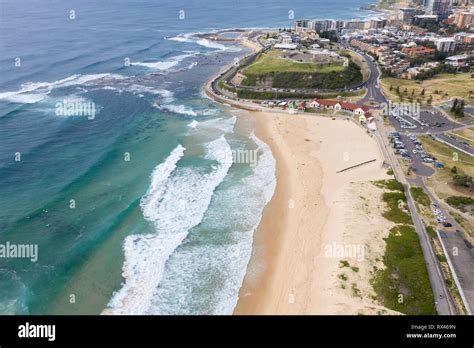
419, 51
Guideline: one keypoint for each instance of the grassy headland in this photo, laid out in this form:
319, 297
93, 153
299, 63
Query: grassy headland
270, 70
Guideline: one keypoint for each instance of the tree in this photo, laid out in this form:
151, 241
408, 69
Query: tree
455, 104
463, 180
459, 108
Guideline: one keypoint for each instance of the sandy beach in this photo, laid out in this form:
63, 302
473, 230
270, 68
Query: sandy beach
295, 266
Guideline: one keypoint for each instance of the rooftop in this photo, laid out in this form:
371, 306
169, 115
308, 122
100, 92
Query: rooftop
286, 46
458, 57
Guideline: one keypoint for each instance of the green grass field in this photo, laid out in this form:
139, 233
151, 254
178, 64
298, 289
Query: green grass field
272, 71
446, 85
404, 284
397, 208
459, 202
390, 184
360, 61
270, 63
420, 196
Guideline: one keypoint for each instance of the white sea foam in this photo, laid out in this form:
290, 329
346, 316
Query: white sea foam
140, 90
166, 64
175, 202
33, 92
204, 276
186, 110
224, 124
193, 124
215, 45
191, 38
180, 109
259, 188
188, 37
157, 65
211, 44
22, 98
166, 95
191, 65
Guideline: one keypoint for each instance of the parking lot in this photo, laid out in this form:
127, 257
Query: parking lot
430, 122
411, 150
427, 121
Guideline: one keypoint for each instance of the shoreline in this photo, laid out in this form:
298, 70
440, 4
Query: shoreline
269, 237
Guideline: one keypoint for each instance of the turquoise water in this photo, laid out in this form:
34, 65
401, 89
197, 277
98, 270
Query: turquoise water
141, 209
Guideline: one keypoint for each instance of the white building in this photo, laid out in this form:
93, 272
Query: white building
286, 39
283, 46
458, 61
445, 44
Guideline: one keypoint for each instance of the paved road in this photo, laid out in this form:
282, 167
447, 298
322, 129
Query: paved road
373, 88
460, 255
459, 145
460, 252
444, 303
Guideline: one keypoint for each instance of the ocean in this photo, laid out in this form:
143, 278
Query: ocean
139, 205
